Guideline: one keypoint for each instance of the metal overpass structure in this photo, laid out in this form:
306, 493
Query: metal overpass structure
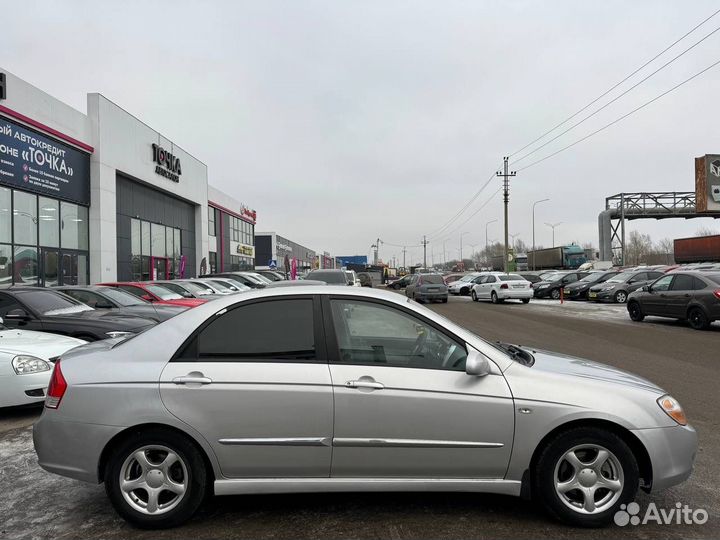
641, 205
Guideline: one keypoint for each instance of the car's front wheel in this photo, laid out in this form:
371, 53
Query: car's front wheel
156, 480
620, 297
473, 295
583, 476
525, 300
636, 312
555, 294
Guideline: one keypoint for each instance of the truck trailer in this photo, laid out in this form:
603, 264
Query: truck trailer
697, 249
560, 258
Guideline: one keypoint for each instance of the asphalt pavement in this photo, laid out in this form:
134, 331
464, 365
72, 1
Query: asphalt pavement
685, 362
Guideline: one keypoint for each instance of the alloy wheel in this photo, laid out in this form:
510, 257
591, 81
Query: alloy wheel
589, 479
473, 294
153, 480
620, 297
555, 294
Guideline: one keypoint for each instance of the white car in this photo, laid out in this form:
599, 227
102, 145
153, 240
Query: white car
353, 278
463, 285
25, 363
499, 286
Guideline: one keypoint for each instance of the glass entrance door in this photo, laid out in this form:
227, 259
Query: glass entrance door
50, 272
73, 268
160, 268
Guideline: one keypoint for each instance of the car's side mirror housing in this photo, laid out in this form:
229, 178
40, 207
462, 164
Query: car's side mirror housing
17, 315
646, 288
477, 364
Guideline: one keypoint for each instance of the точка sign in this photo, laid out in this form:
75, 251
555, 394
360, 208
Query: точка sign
167, 164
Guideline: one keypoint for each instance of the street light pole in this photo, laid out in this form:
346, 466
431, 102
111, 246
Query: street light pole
533, 227
552, 226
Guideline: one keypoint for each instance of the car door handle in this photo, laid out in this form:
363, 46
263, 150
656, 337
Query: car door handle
365, 384
192, 379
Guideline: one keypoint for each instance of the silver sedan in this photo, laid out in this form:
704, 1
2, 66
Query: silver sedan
307, 389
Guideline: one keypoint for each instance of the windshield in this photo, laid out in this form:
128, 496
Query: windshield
591, 278
195, 288
621, 277
468, 277
123, 298
553, 277
51, 303
239, 286
224, 287
163, 293
336, 278
259, 278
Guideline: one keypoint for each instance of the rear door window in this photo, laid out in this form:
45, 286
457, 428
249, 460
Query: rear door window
682, 282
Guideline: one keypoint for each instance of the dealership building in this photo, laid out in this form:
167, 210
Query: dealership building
101, 196
275, 251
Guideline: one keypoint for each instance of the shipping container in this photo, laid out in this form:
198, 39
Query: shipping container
697, 249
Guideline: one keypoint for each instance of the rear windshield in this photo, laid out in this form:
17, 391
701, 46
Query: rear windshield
511, 277
329, 277
51, 303
434, 279
714, 278
163, 293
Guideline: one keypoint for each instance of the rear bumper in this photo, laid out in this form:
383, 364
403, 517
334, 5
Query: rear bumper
431, 296
672, 453
509, 294
71, 449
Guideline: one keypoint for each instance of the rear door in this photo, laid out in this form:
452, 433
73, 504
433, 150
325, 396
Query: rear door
404, 406
680, 295
254, 381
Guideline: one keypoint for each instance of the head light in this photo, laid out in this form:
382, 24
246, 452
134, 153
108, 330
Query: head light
673, 409
24, 364
118, 333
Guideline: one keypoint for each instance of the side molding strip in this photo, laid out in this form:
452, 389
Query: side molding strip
411, 443
278, 441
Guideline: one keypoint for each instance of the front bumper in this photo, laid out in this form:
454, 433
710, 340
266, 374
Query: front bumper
542, 293
13, 388
672, 453
601, 296
575, 294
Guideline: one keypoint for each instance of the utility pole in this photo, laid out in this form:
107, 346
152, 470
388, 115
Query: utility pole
424, 245
552, 226
404, 251
444, 255
376, 245
506, 197
533, 219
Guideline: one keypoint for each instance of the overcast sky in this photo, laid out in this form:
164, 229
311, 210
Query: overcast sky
344, 121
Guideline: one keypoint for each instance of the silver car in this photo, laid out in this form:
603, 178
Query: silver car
318, 389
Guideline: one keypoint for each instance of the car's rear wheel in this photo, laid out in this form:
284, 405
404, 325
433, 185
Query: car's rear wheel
494, 298
473, 295
444, 300
583, 476
620, 297
156, 480
555, 294
525, 300
635, 311
464, 291
697, 319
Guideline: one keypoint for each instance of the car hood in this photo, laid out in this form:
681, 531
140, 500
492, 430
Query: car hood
40, 344
579, 285
582, 368
606, 284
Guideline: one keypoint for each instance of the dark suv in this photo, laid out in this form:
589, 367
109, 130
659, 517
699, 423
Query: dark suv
617, 288
691, 296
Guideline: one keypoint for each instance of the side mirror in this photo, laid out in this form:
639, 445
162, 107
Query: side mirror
646, 288
17, 315
477, 364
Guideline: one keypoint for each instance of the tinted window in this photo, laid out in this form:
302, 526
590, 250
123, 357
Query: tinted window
511, 277
273, 330
490, 279
433, 279
85, 297
8, 303
122, 298
162, 292
698, 284
655, 275
50, 303
337, 278
682, 282
570, 278
714, 277
642, 276
662, 284
137, 291
375, 334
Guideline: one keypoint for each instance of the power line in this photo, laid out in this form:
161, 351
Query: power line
622, 117
460, 212
556, 137
471, 215
617, 84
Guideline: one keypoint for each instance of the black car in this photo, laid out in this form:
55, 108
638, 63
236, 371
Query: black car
617, 288
693, 296
530, 276
120, 302
552, 283
400, 283
579, 289
45, 310
331, 277
272, 275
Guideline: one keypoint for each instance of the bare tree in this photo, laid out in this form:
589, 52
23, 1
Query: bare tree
706, 231
637, 247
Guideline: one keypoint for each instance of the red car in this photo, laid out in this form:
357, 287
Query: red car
156, 293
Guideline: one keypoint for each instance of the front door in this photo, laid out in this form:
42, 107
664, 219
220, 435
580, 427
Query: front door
254, 381
160, 267
655, 302
404, 406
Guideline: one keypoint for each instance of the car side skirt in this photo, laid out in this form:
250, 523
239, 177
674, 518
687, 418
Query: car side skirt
325, 485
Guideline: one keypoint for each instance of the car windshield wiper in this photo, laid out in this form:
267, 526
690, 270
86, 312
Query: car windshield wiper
516, 353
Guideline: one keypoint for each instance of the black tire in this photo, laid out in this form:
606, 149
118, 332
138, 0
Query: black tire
543, 475
464, 291
444, 300
473, 295
494, 298
635, 311
697, 319
196, 480
525, 300
555, 294
620, 297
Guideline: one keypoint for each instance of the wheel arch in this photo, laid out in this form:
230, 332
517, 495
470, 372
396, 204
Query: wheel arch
147, 427
636, 446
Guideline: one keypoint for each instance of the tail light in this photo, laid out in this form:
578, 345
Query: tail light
56, 388
716, 292
504, 286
